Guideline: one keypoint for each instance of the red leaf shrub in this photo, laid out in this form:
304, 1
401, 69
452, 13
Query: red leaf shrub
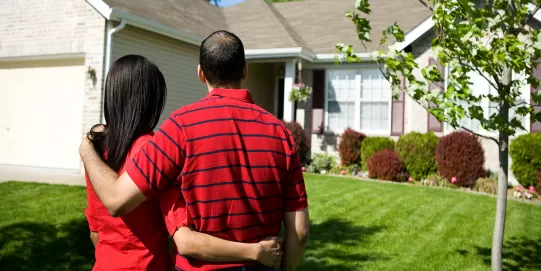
461, 155
385, 165
350, 147
301, 140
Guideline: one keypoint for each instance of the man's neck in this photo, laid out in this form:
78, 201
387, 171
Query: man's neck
228, 86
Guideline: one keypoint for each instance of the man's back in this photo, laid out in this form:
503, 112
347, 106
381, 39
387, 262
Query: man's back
236, 180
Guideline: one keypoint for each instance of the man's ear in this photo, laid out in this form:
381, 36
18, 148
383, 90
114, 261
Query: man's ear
245, 71
201, 75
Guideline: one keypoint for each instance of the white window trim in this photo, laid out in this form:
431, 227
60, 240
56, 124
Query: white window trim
526, 95
357, 102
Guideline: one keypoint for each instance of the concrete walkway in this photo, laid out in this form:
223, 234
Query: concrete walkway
41, 175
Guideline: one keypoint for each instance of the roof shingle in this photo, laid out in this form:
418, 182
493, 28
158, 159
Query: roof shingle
193, 16
321, 23
316, 25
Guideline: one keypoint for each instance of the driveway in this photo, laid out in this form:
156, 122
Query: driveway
41, 175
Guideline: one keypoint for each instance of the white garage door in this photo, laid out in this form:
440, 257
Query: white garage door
41, 113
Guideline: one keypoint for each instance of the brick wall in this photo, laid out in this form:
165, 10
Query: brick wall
52, 27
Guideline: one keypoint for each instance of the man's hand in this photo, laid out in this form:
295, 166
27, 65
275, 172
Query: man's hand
270, 253
119, 195
86, 148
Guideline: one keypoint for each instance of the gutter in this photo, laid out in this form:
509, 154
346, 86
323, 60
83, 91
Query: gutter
108, 56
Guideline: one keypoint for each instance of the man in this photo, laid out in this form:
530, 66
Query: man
221, 166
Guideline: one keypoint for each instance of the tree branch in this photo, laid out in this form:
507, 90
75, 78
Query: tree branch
530, 16
480, 135
473, 67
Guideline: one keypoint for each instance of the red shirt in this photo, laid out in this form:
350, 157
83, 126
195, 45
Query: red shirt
226, 167
129, 242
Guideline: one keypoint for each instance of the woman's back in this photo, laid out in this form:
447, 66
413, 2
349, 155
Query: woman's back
135, 241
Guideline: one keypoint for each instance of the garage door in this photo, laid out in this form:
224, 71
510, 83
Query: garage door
41, 113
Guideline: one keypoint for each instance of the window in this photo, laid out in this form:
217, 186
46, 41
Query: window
481, 86
358, 99
375, 101
341, 89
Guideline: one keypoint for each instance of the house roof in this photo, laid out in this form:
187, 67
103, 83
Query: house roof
193, 16
321, 23
311, 26
260, 26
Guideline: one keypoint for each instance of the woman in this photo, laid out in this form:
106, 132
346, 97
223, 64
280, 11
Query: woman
135, 94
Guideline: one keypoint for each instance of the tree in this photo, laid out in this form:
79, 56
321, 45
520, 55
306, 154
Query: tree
490, 38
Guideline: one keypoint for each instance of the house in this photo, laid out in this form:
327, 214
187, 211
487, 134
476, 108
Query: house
54, 56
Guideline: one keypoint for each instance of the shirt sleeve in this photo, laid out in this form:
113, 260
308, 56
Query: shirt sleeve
174, 210
295, 197
160, 161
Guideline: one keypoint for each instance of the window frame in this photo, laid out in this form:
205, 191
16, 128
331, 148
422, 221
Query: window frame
357, 102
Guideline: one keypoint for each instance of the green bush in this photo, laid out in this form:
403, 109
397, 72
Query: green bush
436, 180
487, 185
337, 170
322, 162
418, 153
371, 145
525, 151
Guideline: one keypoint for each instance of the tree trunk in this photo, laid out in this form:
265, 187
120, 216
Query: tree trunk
501, 205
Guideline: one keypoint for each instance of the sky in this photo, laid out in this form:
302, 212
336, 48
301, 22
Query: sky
225, 3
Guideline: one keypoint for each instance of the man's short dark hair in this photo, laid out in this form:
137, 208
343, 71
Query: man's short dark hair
222, 60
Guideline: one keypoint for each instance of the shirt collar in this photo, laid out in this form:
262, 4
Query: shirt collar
237, 94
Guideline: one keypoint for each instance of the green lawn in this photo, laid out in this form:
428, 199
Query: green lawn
355, 226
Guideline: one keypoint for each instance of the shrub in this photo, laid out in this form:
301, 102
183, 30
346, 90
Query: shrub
339, 170
385, 165
371, 145
436, 180
525, 152
418, 153
302, 144
539, 181
350, 147
487, 185
322, 162
461, 155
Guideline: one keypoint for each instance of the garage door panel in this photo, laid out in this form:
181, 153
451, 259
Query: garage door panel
41, 113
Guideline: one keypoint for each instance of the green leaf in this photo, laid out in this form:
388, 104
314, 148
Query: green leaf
363, 6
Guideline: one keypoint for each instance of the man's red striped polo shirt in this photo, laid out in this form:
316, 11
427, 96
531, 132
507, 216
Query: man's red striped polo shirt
224, 166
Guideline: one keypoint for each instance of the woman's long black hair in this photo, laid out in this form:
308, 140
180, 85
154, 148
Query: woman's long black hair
135, 94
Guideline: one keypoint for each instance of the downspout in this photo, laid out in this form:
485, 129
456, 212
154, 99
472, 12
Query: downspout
108, 46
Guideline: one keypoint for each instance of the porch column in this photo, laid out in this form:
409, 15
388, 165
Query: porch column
289, 80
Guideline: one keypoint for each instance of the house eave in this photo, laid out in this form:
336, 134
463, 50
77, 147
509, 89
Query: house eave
115, 14
278, 53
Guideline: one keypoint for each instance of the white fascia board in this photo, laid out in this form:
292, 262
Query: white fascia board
101, 7
415, 34
271, 53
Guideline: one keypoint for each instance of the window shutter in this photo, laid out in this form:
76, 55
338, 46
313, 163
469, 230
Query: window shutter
397, 112
433, 124
318, 101
535, 127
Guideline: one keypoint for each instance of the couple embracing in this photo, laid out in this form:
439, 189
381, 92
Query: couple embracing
220, 176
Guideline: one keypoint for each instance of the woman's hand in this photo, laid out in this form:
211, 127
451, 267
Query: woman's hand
270, 252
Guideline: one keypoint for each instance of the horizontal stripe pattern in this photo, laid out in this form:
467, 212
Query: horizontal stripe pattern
232, 166
237, 214
233, 199
228, 183
230, 119
230, 163
219, 107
